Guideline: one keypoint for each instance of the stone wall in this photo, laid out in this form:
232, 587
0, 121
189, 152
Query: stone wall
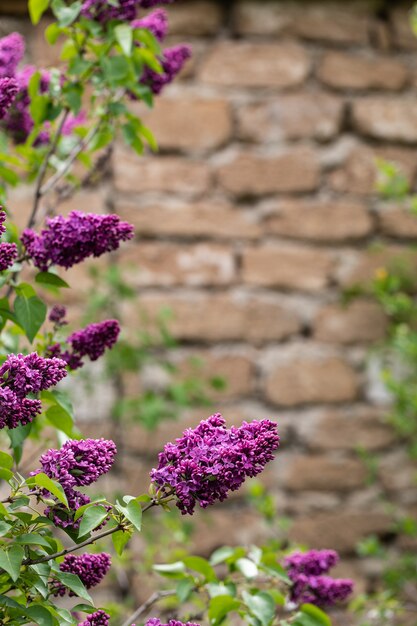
258, 213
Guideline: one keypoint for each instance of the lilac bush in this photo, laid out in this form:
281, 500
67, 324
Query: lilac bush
59, 136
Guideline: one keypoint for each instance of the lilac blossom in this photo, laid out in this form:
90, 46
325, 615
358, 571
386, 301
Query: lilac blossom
90, 568
156, 22
172, 62
22, 375
8, 251
149, 4
8, 255
69, 240
3, 217
93, 340
12, 49
90, 342
102, 11
99, 618
15, 411
79, 462
57, 315
31, 373
8, 91
309, 585
210, 460
76, 464
313, 562
154, 621
18, 121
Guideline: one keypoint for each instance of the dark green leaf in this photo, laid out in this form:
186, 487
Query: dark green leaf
74, 583
184, 589
11, 561
120, 538
219, 607
40, 615
47, 278
91, 519
42, 480
30, 314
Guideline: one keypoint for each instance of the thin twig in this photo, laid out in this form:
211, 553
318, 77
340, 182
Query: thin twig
75, 547
155, 597
82, 145
43, 169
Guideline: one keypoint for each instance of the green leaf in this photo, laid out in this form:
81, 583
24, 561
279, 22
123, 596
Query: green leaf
116, 69
42, 480
221, 554
171, 570
60, 419
6, 460
36, 9
131, 137
120, 538
66, 15
30, 314
200, 565
52, 33
11, 561
40, 615
184, 589
32, 539
221, 589
5, 474
317, 614
248, 568
220, 606
92, 518
261, 605
74, 583
48, 278
79, 512
124, 37
132, 512
4, 528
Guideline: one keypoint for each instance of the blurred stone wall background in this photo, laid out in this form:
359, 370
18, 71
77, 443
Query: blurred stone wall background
259, 211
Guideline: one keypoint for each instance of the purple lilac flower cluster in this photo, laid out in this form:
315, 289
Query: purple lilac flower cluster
125, 10
14, 83
90, 341
22, 375
310, 585
156, 22
154, 621
8, 251
57, 315
76, 464
90, 568
172, 62
69, 240
8, 91
12, 49
210, 460
99, 618
18, 121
